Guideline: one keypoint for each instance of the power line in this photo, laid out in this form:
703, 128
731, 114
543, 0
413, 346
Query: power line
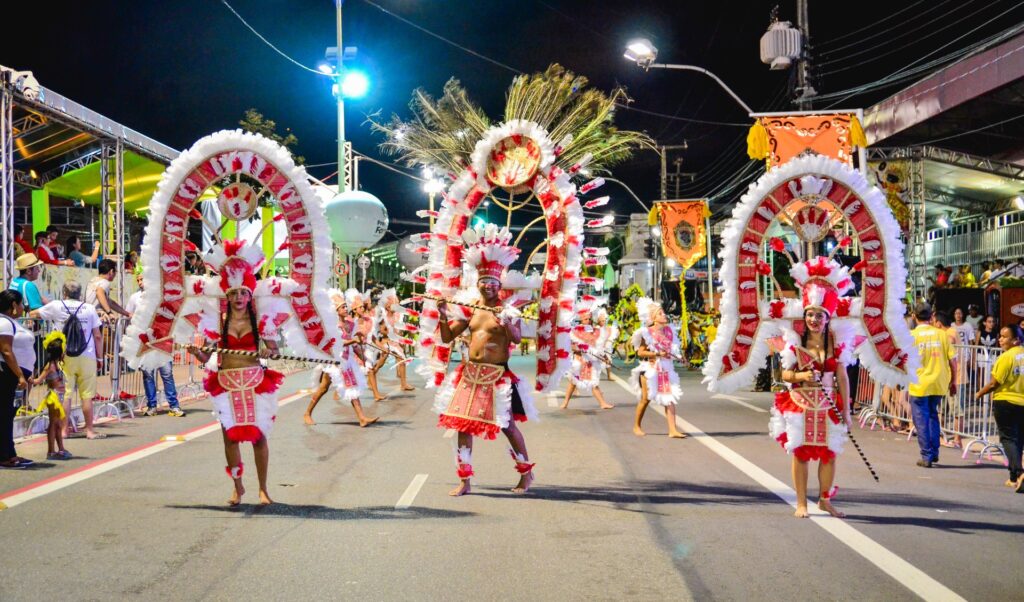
974, 131
267, 42
875, 55
872, 24
442, 38
860, 42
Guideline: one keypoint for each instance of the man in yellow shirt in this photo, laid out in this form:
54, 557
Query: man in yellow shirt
1008, 400
935, 378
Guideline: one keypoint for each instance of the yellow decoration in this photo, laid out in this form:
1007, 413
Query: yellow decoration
684, 317
52, 402
55, 335
652, 217
857, 137
757, 141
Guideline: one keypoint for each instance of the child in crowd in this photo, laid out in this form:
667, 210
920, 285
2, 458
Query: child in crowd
53, 375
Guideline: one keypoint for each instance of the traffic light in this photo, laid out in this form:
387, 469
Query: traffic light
650, 248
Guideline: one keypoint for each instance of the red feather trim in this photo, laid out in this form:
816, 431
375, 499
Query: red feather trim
470, 427
245, 432
519, 417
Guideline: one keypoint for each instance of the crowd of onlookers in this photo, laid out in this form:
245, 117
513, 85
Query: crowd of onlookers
32, 354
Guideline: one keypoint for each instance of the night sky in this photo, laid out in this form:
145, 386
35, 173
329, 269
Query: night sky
178, 70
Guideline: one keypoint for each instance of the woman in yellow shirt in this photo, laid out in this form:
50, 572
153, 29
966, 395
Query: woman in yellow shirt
1008, 400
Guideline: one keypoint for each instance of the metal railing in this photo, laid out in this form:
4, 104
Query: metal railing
962, 418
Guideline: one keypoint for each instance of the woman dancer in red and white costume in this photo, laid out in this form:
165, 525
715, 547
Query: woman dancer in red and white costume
588, 351
656, 345
348, 378
609, 336
391, 334
814, 365
483, 396
365, 330
242, 390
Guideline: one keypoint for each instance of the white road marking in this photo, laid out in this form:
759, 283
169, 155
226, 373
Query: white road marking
449, 433
410, 492
58, 482
552, 400
740, 401
911, 577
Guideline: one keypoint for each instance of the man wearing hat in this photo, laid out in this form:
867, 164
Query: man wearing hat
29, 267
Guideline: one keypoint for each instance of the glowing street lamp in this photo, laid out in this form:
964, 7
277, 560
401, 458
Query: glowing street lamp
643, 53
354, 84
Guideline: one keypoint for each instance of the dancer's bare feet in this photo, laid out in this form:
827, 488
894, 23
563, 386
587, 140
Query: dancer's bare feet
379, 397
677, 435
564, 405
801, 512
462, 489
307, 419
607, 406
236, 495
265, 498
525, 481
408, 388
364, 422
638, 432
827, 507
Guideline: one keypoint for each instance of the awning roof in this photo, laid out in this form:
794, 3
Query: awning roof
58, 146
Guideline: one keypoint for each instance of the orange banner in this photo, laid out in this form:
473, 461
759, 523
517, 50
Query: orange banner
683, 237
779, 139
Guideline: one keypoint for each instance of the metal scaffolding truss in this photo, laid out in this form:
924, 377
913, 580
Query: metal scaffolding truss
983, 164
73, 137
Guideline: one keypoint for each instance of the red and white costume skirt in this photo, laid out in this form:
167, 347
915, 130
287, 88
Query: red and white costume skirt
806, 426
481, 399
244, 400
349, 378
586, 372
662, 381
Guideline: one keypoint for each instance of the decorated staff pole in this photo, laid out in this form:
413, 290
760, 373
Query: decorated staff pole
256, 354
494, 310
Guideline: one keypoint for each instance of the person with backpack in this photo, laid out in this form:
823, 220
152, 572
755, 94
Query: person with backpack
83, 354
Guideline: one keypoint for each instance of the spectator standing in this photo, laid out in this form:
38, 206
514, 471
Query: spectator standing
22, 237
29, 267
80, 370
934, 381
149, 376
974, 316
986, 273
73, 247
965, 335
1007, 386
98, 292
46, 252
17, 348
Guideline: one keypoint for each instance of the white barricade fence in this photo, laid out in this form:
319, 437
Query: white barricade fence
963, 419
120, 392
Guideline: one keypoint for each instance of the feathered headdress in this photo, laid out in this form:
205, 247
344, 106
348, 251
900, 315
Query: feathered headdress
353, 298
822, 282
644, 308
56, 335
489, 250
387, 299
237, 263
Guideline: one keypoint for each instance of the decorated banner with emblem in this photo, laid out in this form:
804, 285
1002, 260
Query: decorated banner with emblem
778, 139
683, 237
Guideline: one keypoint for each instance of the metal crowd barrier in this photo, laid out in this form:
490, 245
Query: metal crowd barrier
961, 416
120, 391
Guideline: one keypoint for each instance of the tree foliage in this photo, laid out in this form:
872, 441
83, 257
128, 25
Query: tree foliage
254, 121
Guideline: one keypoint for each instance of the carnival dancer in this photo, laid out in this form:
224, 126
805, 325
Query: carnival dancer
482, 395
348, 378
365, 331
390, 332
804, 418
656, 345
242, 390
588, 353
609, 336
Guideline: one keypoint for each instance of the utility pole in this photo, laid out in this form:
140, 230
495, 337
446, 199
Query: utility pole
663, 151
804, 91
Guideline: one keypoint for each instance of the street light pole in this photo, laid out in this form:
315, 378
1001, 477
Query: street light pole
705, 72
339, 74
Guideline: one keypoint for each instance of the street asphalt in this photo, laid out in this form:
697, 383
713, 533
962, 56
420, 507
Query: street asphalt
364, 513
